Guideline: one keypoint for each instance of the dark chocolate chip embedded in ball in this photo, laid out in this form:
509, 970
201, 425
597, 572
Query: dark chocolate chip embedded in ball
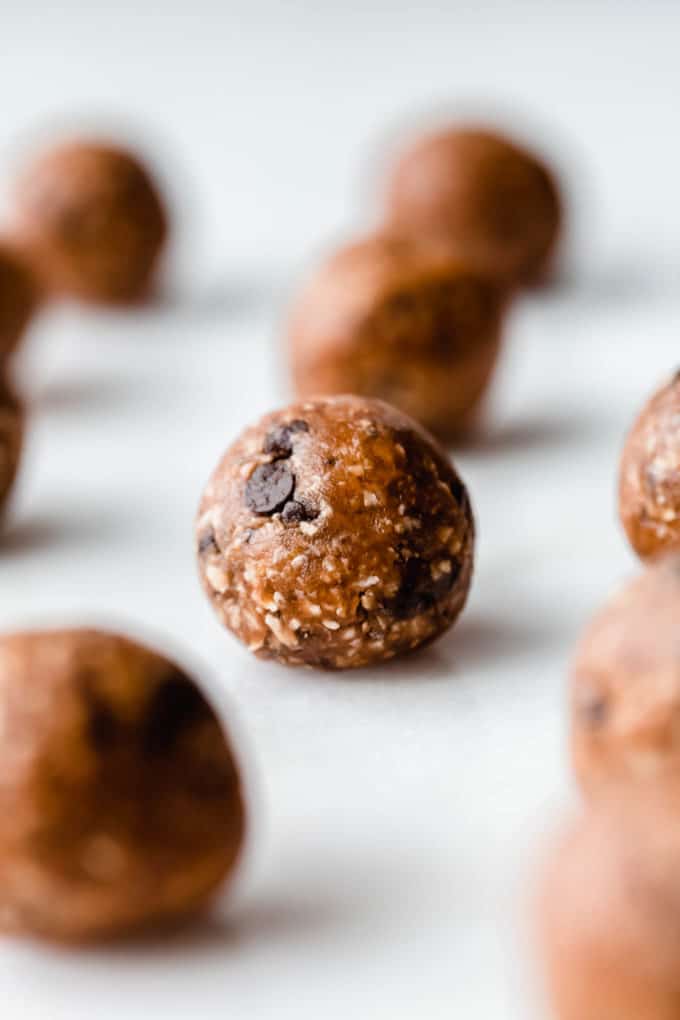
419, 590
295, 510
175, 707
458, 491
593, 710
102, 725
279, 441
207, 543
416, 591
269, 488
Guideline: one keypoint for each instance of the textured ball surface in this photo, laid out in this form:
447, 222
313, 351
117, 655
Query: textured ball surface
649, 481
335, 533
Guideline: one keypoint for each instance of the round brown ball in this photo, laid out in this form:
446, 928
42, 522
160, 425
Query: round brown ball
649, 481
335, 533
94, 221
625, 688
610, 912
401, 320
11, 441
19, 298
495, 202
120, 802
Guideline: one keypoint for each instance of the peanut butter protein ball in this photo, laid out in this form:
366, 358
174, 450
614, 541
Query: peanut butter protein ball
18, 298
11, 439
626, 685
495, 202
649, 483
402, 320
610, 912
120, 802
94, 221
335, 533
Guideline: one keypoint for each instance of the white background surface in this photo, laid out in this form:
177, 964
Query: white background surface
396, 812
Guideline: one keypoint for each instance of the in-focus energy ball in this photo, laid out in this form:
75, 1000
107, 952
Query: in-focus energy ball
120, 800
495, 202
404, 321
94, 221
649, 481
335, 533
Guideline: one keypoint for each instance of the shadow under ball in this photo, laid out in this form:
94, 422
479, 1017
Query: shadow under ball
625, 686
401, 320
609, 911
335, 533
93, 220
649, 478
120, 801
496, 203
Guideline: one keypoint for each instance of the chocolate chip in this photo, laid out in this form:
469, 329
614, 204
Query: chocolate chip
296, 510
593, 710
207, 543
416, 593
175, 707
279, 442
418, 466
102, 725
458, 491
395, 488
269, 487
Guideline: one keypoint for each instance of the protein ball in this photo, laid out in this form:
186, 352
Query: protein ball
19, 298
335, 533
120, 802
610, 912
494, 201
649, 483
403, 321
94, 221
11, 438
625, 687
